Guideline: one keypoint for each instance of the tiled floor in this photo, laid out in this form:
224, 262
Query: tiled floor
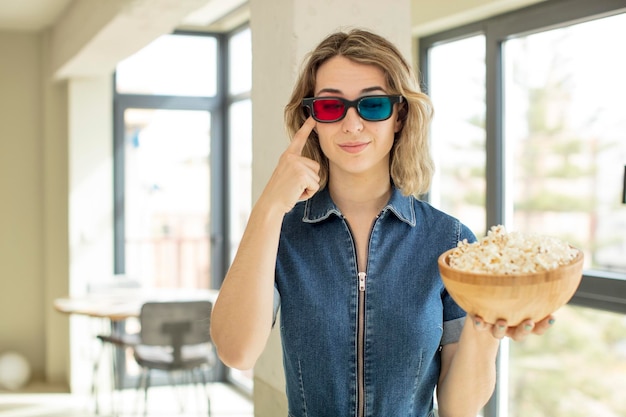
162, 402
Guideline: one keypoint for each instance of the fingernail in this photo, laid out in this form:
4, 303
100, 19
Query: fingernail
478, 323
551, 322
528, 327
501, 327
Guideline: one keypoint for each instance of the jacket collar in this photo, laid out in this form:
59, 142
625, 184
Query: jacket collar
321, 206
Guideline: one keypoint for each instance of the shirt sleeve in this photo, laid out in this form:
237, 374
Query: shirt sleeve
452, 331
454, 316
276, 304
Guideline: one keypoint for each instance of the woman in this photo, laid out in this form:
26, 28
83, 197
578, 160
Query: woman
339, 241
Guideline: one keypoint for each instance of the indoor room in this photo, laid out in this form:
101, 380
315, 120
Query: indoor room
137, 135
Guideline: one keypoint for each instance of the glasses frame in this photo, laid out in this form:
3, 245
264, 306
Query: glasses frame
308, 103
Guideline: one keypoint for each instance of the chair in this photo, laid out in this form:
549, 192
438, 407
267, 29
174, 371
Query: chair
175, 336
115, 337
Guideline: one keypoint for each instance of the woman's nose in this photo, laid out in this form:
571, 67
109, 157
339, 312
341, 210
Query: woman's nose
352, 122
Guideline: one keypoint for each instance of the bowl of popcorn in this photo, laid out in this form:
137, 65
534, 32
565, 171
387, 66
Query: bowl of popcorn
511, 276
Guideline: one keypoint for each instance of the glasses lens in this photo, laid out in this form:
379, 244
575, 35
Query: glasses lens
375, 108
328, 109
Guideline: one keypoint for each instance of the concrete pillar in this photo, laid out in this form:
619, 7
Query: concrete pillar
283, 31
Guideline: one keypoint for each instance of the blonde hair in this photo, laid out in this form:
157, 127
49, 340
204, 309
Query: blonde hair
411, 165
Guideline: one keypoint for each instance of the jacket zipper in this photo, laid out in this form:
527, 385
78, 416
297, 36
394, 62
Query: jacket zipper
361, 346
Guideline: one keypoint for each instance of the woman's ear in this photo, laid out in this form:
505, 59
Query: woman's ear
402, 115
398, 125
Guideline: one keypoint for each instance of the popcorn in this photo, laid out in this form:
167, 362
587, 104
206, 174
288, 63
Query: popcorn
511, 253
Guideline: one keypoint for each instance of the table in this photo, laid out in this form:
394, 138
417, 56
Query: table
120, 304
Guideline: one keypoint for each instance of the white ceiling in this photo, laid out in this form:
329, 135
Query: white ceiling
36, 15
223, 15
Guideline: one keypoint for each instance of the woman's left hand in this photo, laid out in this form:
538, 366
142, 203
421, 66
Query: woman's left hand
518, 333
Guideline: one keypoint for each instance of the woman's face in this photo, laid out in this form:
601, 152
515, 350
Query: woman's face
352, 145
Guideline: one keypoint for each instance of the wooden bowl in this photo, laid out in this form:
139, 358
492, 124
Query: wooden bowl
513, 297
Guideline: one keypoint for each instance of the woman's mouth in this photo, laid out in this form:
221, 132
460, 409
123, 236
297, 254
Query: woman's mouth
354, 147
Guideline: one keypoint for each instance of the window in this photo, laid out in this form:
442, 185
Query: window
183, 154
166, 193
168, 200
172, 65
564, 134
576, 370
459, 126
169, 189
554, 153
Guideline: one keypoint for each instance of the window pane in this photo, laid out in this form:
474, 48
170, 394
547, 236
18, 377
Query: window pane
240, 194
458, 129
564, 134
240, 170
167, 197
240, 62
577, 369
565, 165
171, 65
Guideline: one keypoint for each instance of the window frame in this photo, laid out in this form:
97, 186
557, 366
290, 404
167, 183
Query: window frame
218, 106
601, 290
215, 105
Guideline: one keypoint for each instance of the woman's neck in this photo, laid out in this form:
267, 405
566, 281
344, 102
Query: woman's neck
360, 202
365, 195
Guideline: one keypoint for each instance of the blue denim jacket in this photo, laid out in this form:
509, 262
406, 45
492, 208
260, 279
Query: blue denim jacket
368, 342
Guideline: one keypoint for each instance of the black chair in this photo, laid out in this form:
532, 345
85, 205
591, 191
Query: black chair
175, 336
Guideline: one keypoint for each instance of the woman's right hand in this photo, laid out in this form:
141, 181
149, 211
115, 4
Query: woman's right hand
295, 177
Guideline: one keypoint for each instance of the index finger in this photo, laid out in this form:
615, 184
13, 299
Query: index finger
302, 135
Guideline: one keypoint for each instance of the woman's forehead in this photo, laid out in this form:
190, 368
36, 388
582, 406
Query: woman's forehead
341, 76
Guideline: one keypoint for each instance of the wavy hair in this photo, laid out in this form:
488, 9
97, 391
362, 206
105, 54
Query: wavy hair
411, 164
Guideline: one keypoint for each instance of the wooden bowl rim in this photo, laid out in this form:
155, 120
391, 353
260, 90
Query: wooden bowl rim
501, 279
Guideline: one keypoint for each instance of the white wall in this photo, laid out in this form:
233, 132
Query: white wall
21, 186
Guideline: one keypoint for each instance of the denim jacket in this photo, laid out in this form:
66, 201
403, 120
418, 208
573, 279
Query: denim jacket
365, 343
